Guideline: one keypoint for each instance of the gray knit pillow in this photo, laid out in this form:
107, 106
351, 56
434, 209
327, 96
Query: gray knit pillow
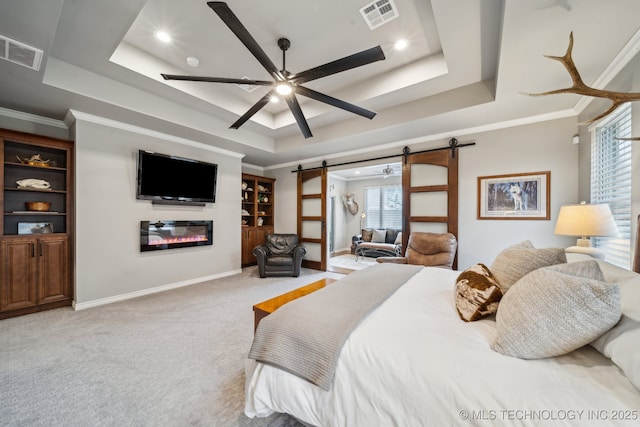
515, 262
555, 310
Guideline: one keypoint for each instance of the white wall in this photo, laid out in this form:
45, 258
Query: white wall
358, 186
532, 148
536, 147
109, 264
336, 188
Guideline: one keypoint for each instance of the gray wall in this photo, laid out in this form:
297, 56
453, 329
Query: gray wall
109, 264
536, 147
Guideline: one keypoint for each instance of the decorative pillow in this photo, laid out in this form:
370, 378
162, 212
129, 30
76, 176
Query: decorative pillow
477, 293
378, 236
367, 235
516, 261
620, 343
555, 310
398, 240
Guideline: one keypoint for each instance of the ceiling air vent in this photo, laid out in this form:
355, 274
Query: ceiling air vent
379, 12
248, 88
20, 53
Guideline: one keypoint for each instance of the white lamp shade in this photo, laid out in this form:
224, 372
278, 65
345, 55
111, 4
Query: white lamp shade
586, 220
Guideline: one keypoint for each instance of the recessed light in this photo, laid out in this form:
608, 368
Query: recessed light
401, 44
193, 61
163, 36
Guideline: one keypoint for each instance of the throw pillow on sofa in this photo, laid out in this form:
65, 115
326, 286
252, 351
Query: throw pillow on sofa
379, 236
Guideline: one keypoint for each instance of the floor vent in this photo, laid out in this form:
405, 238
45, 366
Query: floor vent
379, 12
248, 88
20, 53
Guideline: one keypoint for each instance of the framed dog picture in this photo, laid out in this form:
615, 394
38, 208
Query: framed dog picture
515, 196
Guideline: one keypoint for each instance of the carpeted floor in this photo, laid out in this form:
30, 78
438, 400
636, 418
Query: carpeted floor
170, 359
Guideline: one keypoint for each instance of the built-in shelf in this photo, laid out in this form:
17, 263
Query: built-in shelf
260, 218
35, 190
35, 246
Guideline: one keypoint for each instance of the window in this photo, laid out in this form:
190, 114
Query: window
383, 207
611, 182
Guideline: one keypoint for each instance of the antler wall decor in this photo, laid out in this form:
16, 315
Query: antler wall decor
580, 88
350, 203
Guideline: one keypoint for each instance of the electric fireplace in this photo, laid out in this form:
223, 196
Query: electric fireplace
161, 235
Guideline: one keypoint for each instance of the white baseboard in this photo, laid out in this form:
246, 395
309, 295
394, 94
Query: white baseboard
155, 290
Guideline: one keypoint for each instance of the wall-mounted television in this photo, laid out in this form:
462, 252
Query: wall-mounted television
169, 179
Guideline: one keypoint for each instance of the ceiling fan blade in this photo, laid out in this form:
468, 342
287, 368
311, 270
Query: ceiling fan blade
348, 62
256, 107
297, 114
335, 102
234, 24
216, 80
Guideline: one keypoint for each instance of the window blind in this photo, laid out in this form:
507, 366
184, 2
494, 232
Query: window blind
383, 207
611, 183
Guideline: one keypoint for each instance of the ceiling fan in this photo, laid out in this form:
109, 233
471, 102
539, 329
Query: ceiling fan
285, 83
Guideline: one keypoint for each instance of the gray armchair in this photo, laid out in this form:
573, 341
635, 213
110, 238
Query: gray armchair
280, 255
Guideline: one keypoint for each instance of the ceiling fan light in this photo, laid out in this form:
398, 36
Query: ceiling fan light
284, 89
274, 99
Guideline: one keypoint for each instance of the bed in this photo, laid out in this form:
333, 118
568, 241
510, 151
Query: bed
412, 361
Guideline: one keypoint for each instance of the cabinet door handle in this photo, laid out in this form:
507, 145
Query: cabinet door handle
33, 250
40, 249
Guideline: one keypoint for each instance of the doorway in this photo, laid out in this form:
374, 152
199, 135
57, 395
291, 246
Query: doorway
343, 223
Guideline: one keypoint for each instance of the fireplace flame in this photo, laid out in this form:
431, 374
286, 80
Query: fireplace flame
178, 239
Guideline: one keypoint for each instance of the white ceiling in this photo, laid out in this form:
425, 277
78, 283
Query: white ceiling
466, 67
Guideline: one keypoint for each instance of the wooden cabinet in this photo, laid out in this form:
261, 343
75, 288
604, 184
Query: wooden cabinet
34, 272
35, 244
258, 204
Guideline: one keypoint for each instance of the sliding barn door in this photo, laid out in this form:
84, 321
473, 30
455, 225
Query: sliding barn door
430, 193
312, 215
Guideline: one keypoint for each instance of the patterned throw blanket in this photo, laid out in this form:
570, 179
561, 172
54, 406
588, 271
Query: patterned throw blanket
305, 336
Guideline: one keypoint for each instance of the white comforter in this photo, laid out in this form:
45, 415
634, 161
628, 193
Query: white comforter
413, 362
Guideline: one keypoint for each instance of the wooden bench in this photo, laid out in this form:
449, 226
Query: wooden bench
263, 309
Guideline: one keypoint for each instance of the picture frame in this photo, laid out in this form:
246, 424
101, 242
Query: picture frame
523, 196
35, 227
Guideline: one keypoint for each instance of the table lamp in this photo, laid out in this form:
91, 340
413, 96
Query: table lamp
586, 220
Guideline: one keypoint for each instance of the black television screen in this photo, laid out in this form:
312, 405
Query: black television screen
169, 178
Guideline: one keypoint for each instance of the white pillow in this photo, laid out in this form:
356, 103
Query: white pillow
379, 236
555, 310
622, 343
398, 240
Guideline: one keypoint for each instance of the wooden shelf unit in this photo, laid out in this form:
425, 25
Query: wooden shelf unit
258, 207
36, 265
